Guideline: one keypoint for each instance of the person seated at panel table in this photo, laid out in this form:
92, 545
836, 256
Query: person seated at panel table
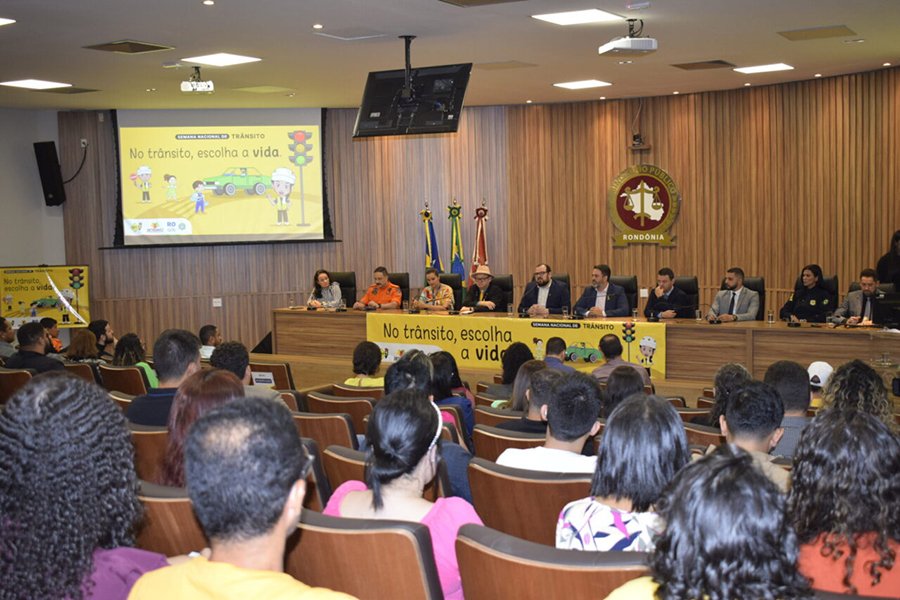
435, 296
602, 298
485, 295
811, 301
544, 295
326, 293
735, 302
859, 306
383, 294
667, 301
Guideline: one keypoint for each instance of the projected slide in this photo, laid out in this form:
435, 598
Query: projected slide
221, 183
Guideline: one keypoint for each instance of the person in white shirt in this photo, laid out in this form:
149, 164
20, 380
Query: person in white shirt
571, 419
210, 337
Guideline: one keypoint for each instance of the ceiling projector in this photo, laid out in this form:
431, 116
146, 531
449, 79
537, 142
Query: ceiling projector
630, 45
196, 85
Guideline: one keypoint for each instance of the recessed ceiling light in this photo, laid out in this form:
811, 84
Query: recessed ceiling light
209, 2
35, 84
765, 68
856, 41
222, 59
528, 102
6, 21
603, 97
581, 85
625, 62
746, 85
886, 64
318, 26
150, 90
675, 93
578, 17
818, 74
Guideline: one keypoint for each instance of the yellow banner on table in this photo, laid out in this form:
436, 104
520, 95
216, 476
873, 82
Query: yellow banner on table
32, 293
479, 342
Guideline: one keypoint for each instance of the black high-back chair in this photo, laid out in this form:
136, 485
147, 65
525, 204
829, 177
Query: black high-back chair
630, 283
691, 288
347, 281
758, 285
402, 280
454, 280
564, 277
829, 282
505, 282
887, 288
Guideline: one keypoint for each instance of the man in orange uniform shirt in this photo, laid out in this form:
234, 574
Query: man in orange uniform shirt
383, 294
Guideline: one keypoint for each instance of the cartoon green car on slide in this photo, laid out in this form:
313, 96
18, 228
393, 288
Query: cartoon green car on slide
583, 351
239, 178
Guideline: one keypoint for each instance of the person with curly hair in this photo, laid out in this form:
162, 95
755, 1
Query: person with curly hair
845, 504
858, 386
199, 394
726, 537
83, 348
366, 362
516, 355
729, 377
131, 352
68, 494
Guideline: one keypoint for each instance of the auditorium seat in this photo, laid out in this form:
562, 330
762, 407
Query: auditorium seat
343, 464
366, 558
357, 408
169, 525
687, 414
457, 413
349, 391
11, 380
84, 370
328, 430
887, 288
454, 280
490, 442
700, 435
630, 283
829, 282
493, 564
522, 503
281, 373
347, 282
505, 283
318, 487
123, 400
128, 380
290, 399
564, 277
149, 449
689, 285
758, 285
401, 280
485, 399
485, 415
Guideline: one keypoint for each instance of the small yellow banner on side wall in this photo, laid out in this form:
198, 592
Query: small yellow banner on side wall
31, 293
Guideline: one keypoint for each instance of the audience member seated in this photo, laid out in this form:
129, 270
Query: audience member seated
246, 473
611, 347
537, 396
210, 338
556, 355
845, 504
791, 382
623, 383
629, 479
176, 356
726, 537
435, 296
383, 294
200, 393
811, 301
106, 338
484, 295
402, 457
519, 399
459, 388
442, 388
858, 386
130, 352
68, 494
326, 293
752, 422
571, 419
52, 328
234, 358
513, 358
819, 374
729, 377
33, 345
83, 348
7, 337
366, 362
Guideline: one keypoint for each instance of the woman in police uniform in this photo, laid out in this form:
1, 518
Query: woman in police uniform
811, 301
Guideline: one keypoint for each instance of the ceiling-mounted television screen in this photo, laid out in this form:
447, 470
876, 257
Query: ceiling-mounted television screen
432, 104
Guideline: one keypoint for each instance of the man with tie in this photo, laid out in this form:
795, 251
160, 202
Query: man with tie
735, 302
544, 295
602, 298
859, 306
667, 301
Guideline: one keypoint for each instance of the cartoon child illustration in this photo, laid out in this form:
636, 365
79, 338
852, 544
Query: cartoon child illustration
172, 188
143, 174
538, 348
648, 349
8, 300
198, 197
282, 182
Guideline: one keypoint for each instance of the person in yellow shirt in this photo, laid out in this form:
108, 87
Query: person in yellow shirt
383, 294
246, 471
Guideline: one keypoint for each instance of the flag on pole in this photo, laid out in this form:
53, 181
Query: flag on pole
457, 259
479, 255
432, 255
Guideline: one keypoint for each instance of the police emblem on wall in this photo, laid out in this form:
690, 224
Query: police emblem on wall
643, 204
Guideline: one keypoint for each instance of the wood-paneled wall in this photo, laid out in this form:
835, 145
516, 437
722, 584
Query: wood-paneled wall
772, 178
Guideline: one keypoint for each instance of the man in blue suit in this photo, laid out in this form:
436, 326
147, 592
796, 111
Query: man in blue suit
544, 295
603, 299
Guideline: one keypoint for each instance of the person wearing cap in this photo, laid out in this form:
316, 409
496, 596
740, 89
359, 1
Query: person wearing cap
383, 294
648, 349
143, 175
198, 198
819, 374
485, 295
282, 182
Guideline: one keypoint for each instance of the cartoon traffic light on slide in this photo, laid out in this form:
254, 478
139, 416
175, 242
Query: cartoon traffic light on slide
76, 282
628, 336
301, 158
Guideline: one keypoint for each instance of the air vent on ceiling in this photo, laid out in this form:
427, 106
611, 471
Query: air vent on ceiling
503, 65
468, 3
351, 34
130, 47
68, 90
817, 33
705, 64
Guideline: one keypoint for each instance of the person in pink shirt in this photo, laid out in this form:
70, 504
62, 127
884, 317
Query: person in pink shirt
403, 455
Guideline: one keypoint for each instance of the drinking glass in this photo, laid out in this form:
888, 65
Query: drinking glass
770, 317
343, 304
510, 310
634, 314
565, 312
406, 306
698, 315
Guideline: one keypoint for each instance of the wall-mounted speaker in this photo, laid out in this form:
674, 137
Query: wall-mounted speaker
51, 176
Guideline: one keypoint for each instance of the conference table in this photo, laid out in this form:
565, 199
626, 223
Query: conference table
694, 350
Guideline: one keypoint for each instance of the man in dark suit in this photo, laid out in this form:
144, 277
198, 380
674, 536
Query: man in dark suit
602, 298
667, 301
544, 295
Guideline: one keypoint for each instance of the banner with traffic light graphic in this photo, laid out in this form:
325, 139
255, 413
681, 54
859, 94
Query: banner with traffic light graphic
32, 293
479, 341
230, 183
